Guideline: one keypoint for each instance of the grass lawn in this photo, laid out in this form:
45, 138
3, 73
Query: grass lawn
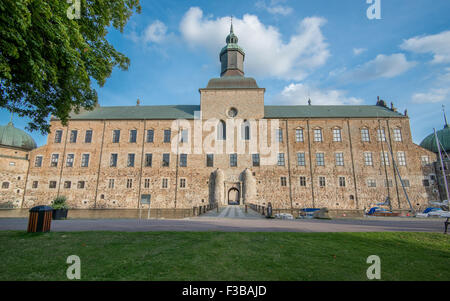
224, 256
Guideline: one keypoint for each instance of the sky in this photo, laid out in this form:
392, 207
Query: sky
333, 52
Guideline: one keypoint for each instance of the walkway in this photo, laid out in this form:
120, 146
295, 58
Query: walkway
232, 212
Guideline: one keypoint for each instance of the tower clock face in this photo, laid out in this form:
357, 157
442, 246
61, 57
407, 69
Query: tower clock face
232, 112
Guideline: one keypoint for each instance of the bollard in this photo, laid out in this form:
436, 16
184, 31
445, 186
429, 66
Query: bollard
246, 210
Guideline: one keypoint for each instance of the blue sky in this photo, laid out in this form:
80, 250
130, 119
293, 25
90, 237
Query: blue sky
327, 50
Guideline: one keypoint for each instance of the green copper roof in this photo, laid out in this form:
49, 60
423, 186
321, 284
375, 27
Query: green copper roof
11, 136
444, 137
232, 82
187, 112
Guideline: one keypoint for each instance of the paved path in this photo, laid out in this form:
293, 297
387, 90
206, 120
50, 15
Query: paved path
235, 225
232, 212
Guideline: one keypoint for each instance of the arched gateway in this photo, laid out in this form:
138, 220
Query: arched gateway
233, 196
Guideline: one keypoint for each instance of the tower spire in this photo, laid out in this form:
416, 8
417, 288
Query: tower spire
445, 117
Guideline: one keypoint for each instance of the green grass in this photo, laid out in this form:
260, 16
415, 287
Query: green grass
224, 256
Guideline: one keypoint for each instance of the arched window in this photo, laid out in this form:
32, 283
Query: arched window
5, 185
245, 130
221, 130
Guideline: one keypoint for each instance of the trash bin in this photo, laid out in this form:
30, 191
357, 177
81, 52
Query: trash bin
40, 219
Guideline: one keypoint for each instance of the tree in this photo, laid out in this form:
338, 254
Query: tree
48, 58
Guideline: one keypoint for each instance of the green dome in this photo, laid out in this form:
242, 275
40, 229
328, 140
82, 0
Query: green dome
444, 137
11, 136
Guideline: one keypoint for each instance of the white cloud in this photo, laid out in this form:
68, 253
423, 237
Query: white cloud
438, 45
440, 91
383, 66
266, 53
275, 8
154, 33
358, 51
298, 94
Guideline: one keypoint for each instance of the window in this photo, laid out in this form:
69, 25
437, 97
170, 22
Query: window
401, 158
281, 159
209, 160
279, 135
233, 160
133, 136
299, 135
221, 130
116, 136
385, 158
339, 159
52, 184
301, 159
381, 135
81, 184
398, 135
365, 135
184, 136
38, 161
166, 160
146, 183
245, 130
85, 160
320, 161
73, 136
111, 184
130, 161
368, 161
371, 183
182, 183
256, 160
113, 160
406, 183
148, 160
318, 135
54, 161
150, 136
337, 135
69, 161
322, 182
67, 184
183, 160
129, 183
58, 136
167, 136
426, 182
5, 185
388, 183
165, 183
303, 181
35, 184
283, 181
88, 136
425, 160
341, 181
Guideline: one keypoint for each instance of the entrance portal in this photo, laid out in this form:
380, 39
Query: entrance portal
233, 196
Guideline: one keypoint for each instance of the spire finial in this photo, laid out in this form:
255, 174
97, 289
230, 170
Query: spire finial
231, 27
11, 119
138, 102
445, 117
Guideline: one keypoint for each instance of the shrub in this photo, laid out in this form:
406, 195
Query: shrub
60, 203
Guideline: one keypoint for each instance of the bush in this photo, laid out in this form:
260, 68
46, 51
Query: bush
60, 203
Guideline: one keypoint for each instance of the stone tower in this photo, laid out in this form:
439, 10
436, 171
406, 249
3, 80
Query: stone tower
232, 56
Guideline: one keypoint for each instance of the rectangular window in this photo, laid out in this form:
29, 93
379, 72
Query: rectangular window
165, 183
67, 184
166, 160
183, 160
279, 134
425, 160
182, 183
320, 160
255, 160
337, 135
365, 135
133, 136
130, 161
299, 135
146, 183
69, 161
58, 136
35, 184
54, 161
341, 181
113, 160
116, 136
401, 158
318, 135
281, 159
73, 136
388, 183
209, 160
233, 160
322, 182
184, 138
381, 135
303, 181
111, 184
81, 184
406, 183
301, 159
283, 181
85, 160
385, 158
129, 183
38, 161
88, 136
148, 160
52, 184
368, 161
371, 183
398, 135
426, 182
166, 136
339, 159
150, 136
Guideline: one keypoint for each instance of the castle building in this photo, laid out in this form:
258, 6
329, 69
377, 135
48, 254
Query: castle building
231, 148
